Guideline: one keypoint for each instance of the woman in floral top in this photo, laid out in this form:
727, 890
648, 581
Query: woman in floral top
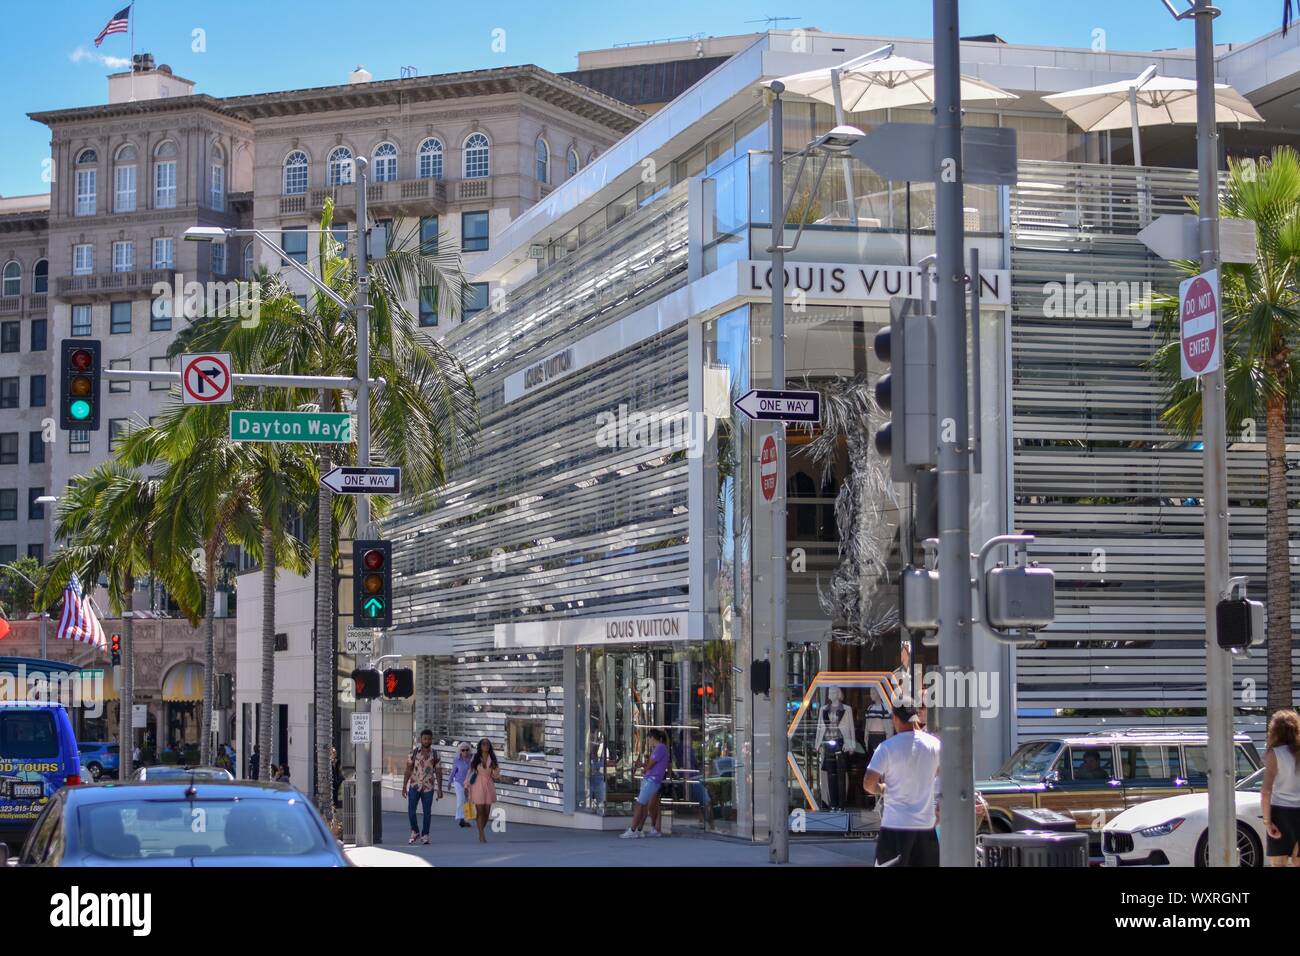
423, 776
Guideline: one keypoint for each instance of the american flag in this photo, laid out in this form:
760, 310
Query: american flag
116, 25
78, 622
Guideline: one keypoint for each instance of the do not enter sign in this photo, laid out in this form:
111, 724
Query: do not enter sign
1198, 324
767, 467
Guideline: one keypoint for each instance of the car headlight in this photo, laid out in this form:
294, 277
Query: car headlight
1162, 829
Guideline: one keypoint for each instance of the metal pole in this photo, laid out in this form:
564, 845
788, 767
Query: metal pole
1137, 131
45, 636
956, 719
845, 163
1218, 662
361, 308
779, 840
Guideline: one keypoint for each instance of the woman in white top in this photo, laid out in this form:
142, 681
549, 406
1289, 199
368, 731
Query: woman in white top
1280, 797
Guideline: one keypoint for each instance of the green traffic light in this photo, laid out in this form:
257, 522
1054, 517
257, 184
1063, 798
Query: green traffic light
374, 607
80, 410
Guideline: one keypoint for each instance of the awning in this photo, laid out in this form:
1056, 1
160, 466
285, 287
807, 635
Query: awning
184, 682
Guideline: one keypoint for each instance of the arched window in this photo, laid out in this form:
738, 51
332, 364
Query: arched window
217, 178
430, 159
12, 284
385, 163
543, 163
124, 179
339, 166
478, 156
85, 182
295, 173
249, 264
572, 162
164, 175
591, 156
41, 276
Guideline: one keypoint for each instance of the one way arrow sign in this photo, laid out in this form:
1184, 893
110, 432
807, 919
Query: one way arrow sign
346, 480
779, 405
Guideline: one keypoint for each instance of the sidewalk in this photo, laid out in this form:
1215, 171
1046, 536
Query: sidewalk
530, 845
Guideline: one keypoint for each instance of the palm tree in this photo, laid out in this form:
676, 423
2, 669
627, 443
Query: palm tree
1261, 360
107, 518
422, 420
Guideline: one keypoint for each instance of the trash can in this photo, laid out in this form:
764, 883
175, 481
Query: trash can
1032, 848
350, 811
1038, 818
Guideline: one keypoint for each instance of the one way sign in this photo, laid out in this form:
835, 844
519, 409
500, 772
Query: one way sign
346, 480
776, 405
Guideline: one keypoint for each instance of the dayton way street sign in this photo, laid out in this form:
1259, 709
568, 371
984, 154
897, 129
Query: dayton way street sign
326, 427
1198, 324
363, 481
206, 378
775, 405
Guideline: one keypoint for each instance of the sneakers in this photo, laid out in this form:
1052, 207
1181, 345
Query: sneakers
630, 834
425, 839
415, 835
654, 833
464, 823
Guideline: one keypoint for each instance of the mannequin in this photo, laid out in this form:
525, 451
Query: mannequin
877, 726
835, 739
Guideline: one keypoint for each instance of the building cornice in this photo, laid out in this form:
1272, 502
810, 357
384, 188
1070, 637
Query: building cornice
113, 111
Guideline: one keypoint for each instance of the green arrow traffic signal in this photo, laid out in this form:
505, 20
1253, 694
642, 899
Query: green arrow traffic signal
374, 607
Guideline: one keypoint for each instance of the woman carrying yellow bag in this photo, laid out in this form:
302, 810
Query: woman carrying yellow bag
460, 771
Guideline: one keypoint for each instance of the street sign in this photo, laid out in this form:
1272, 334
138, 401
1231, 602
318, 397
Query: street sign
361, 728
139, 716
778, 405
369, 480
1238, 241
323, 427
359, 641
206, 378
905, 152
1179, 237
767, 468
1198, 324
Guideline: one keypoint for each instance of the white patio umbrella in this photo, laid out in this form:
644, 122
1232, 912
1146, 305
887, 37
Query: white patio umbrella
879, 80
1148, 100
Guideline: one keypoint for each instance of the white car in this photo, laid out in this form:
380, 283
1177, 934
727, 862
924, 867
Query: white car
1175, 831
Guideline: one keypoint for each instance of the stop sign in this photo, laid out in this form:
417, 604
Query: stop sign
1198, 324
767, 467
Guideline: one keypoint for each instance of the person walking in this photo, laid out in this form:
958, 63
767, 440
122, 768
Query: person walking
655, 772
423, 776
460, 771
1279, 799
904, 771
481, 787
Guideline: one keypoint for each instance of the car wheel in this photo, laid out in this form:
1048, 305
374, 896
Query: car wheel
96, 771
1249, 851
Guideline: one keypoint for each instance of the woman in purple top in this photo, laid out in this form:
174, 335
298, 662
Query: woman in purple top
459, 778
655, 772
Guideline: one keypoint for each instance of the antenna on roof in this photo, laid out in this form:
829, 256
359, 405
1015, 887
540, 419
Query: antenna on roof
410, 71
772, 21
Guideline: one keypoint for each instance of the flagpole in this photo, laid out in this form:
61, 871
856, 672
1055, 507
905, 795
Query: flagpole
130, 15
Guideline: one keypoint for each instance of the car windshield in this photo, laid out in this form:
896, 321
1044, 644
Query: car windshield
142, 829
184, 773
28, 734
1031, 761
1254, 783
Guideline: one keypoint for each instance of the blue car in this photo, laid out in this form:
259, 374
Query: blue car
100, 758
194, 823
38, 758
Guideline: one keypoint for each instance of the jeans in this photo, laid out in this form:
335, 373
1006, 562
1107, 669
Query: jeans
460, 799
426, 798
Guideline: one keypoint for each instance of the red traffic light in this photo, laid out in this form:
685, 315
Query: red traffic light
365, 684
80, 360
399, 682
390, 683
373, 560
116, 642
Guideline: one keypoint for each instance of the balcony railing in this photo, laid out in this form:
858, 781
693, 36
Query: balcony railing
474, 189
109, 283
19, 304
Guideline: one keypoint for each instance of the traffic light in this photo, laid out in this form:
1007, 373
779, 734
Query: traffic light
907, 391
372, 591
115, 649
79, 384
399, 682
365, 684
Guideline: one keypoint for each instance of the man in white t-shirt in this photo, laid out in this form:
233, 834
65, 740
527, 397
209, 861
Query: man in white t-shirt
904, 770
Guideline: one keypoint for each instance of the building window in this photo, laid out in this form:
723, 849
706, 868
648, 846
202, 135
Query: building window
340, 235
124, 180
476, 298
428, 306
217, 180
164, 176
118, 428
572, 162
385, 163
339, 166
164, 249
35, 448
10, 336
294, 242
8, 553
249, 263
160, 314
83, 259
78, 442
473, 231
85, 182
9, 505
9, 448
41, 277
295, 173
123, 256
430, 159
35, 512
478, 156
542, 162
36, 391
9, 392
37, 552
219, 258
39, 335
13, 279
81, 320
429, 235
119, 318
160, 363
116, 386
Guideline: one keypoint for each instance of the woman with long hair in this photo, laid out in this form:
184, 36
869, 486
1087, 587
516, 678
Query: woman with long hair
1280, 797
481, 788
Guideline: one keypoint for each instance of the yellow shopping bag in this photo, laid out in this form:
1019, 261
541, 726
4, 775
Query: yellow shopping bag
470, 812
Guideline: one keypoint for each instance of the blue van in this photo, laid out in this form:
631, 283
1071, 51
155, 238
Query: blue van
38, 756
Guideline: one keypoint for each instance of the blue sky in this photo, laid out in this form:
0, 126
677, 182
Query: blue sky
256, 46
